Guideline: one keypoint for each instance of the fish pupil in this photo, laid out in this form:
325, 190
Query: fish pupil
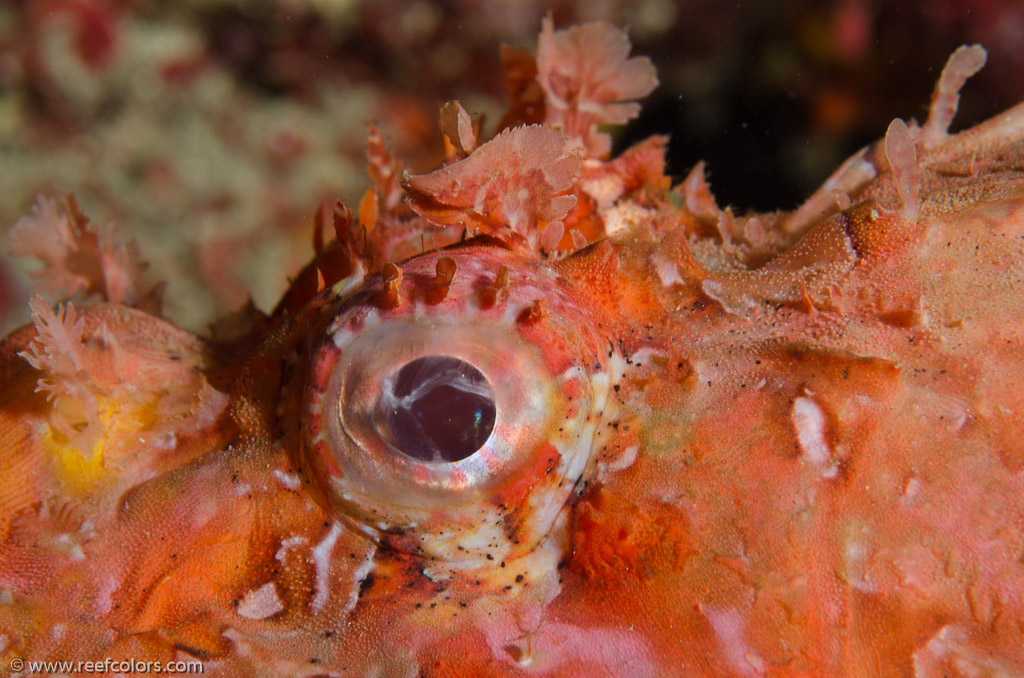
438, 408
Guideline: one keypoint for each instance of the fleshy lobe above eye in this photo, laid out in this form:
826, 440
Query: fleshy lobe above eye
456, 428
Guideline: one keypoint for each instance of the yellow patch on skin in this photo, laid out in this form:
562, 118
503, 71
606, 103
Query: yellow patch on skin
80, 470
84, 469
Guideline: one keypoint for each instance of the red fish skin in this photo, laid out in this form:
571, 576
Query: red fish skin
810, 466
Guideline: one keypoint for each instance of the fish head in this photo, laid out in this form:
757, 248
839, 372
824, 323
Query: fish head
540, 412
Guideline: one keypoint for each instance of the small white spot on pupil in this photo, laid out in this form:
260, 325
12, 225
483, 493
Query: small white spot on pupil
438, 408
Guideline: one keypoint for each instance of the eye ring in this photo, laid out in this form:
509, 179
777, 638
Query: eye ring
547, 375
361, 372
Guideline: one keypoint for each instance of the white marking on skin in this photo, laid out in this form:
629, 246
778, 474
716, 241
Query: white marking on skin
289, 480
644, 356
616, 367
441, 571
479, 538
242, 489
575, 454
57, 632
66, 543
600, 385
571, 372
623, 461
286, 546
857, 566
809, 422
261, 603
105, 595
737, 304
322, 563
951, 646
358, 576
242, 648
730, 630
668, 271
911, 490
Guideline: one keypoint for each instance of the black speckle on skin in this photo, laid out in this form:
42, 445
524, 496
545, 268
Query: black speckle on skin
366, 584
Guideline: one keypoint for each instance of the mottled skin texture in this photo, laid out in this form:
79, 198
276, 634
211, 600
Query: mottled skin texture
802, 437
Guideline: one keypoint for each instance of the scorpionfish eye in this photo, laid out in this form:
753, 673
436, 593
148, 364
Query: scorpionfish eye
452, 406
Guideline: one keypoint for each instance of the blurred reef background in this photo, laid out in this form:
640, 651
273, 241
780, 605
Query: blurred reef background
210, 130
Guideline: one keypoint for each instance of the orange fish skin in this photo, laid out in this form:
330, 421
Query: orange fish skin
763, 445
842, 428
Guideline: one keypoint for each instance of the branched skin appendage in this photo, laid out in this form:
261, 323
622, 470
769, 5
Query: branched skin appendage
540, 412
